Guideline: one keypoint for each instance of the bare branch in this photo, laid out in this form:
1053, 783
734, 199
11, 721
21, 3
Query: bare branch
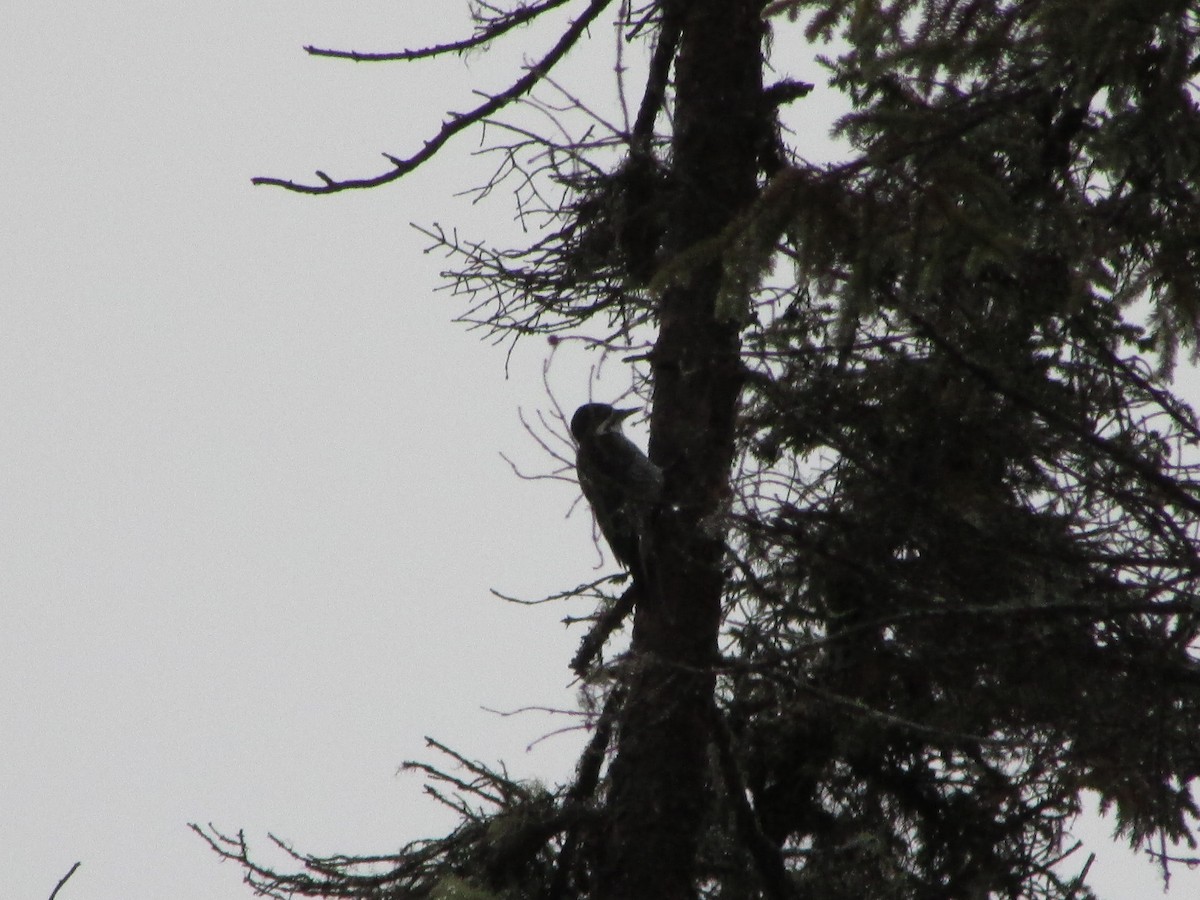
583, 790
590, 590
63, 880
609, 620
656, 84
457, 122
484, 34
766, 854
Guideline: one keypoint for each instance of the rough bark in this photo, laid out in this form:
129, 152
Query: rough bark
660, 772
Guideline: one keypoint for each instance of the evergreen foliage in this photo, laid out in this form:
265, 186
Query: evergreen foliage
957, 540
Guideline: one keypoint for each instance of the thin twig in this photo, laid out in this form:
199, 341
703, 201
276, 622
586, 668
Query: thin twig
63, 880
482, 36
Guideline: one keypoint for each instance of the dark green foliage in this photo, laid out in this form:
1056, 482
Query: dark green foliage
974, 594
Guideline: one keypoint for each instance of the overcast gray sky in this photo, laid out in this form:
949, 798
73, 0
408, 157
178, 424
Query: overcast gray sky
251, 502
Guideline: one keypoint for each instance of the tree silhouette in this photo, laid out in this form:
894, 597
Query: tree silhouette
924, 571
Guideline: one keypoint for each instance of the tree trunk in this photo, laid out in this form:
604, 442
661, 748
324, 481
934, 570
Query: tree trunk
660, 774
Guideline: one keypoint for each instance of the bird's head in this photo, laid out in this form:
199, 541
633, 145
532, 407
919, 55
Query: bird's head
593, 419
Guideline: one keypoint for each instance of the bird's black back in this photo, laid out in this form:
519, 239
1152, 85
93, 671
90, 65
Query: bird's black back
617, 479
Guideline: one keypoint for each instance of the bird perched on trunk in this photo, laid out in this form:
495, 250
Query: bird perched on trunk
617, 479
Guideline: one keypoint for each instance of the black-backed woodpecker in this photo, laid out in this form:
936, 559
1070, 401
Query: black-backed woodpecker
617, 479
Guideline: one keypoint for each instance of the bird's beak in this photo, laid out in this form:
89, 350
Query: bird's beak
616, 417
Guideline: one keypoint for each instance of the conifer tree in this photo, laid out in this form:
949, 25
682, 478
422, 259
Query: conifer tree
925, 568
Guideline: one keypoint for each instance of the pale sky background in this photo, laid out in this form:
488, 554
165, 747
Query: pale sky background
251, 497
